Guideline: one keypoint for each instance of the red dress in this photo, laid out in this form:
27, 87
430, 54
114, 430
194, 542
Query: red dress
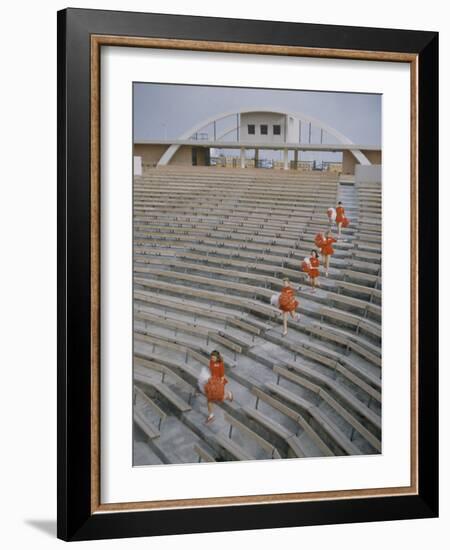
215, 387
327, 246
314, 271
287, 299
340, 214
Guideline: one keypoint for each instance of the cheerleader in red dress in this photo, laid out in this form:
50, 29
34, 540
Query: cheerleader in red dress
326, 248
331, 213
341, 220
215, 386
314, 268
287, 304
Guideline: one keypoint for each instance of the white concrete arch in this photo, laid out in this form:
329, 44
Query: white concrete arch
231, 129
359, 155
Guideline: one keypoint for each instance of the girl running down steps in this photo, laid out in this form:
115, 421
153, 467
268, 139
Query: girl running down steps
287, 304
214, 388
341, 220
311, 267
325, 243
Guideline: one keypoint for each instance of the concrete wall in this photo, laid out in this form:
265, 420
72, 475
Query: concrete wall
137, 166
150, 154
368, 174
200, 152
182, 156
293, 129
258, 118
373, 156
349, 162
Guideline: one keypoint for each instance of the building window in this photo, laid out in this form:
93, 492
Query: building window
251, 129
277, 130
264, 129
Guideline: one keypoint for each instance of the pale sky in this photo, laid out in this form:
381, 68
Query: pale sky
167, 110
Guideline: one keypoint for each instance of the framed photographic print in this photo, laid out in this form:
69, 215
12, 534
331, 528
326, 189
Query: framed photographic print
247, 253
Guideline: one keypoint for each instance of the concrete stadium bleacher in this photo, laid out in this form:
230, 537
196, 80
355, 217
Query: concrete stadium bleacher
210, 249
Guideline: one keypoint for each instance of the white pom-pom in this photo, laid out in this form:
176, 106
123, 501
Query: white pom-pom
331, 214
275, 300
203, 378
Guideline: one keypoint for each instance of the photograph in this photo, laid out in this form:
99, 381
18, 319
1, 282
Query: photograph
247, 295
221, 282
257, 274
